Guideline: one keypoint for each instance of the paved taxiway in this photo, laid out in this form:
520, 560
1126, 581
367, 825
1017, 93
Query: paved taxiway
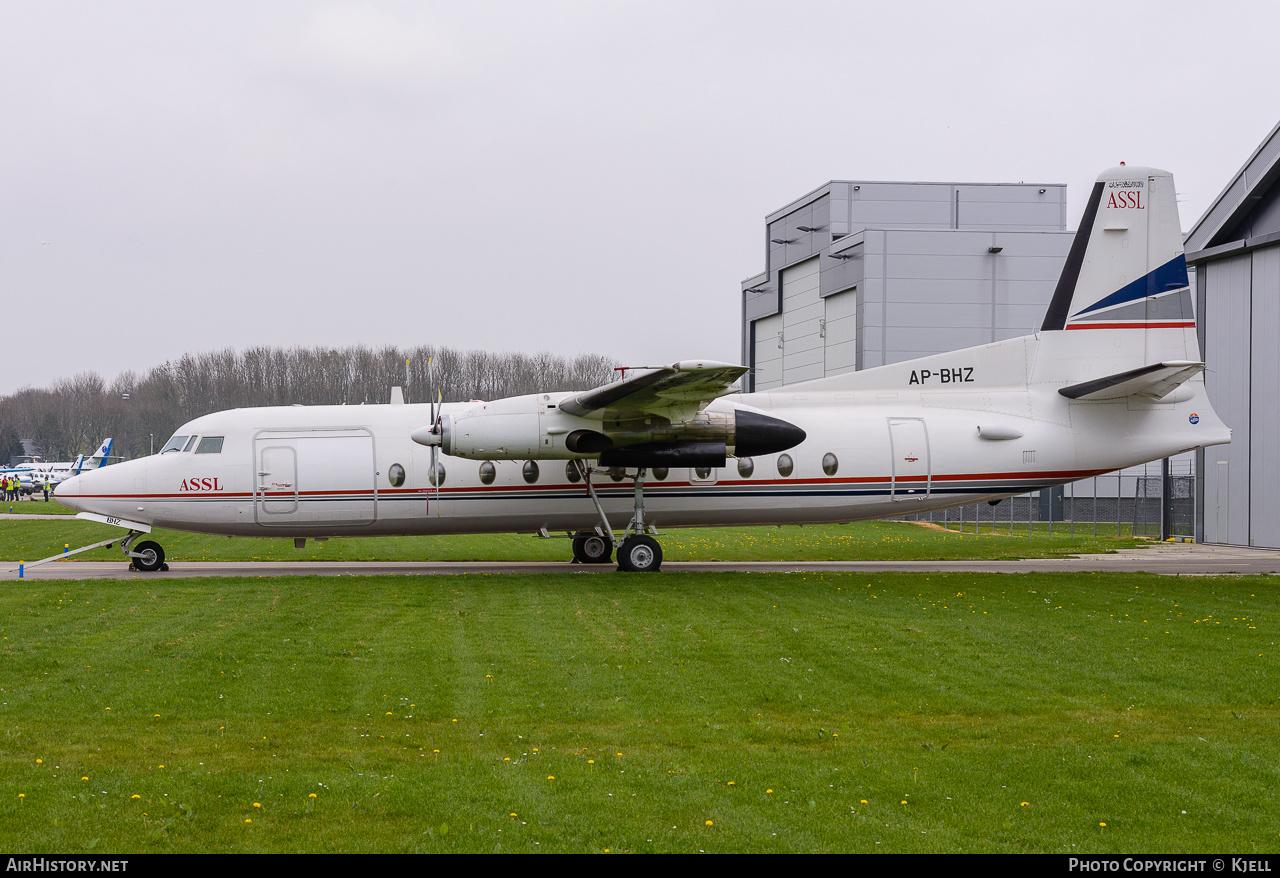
1165, 558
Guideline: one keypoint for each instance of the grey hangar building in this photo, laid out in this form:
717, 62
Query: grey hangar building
863, 273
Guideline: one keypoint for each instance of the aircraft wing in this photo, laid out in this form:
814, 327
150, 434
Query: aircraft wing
676, 392
1152, 382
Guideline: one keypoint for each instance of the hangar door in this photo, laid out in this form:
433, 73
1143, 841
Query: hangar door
768, 352
321, 477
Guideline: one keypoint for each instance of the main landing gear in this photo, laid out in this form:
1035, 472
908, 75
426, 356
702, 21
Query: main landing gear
637, 551
590, 547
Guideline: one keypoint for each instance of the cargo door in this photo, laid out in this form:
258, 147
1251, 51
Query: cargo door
320, 477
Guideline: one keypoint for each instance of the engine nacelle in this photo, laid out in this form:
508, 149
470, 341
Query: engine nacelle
498, 436
528, 428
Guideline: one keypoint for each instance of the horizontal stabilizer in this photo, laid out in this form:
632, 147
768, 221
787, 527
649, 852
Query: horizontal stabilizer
1152, 382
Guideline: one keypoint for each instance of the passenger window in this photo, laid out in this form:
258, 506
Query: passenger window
395, 475
210, 445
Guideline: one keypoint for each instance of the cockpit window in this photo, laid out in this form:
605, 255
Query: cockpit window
210, 445
190, 442
174, 444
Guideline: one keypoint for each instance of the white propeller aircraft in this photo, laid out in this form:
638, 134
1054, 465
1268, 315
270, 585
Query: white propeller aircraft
1112, 379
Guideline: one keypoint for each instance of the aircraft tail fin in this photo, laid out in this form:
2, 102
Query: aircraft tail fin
1123, 301
100, 456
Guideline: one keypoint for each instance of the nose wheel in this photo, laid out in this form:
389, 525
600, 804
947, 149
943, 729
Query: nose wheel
147, 556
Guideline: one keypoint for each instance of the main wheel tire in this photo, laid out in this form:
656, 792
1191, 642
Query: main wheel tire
151, 556
640, 554
591, 548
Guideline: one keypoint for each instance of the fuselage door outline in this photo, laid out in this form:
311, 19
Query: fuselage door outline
911, 474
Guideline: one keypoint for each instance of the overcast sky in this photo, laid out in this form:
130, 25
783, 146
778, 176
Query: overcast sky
563, 176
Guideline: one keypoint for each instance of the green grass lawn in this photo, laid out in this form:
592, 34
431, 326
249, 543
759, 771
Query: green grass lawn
1074, 713
27, 540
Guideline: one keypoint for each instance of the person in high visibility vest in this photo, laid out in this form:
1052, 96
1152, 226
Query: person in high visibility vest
47, 489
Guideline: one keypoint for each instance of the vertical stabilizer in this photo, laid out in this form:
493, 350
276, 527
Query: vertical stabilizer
99, 458
1123, 295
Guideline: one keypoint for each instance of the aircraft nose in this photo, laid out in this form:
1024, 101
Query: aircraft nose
67, 492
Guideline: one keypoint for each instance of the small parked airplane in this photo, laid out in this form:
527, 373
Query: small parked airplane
1112, 379
33, 472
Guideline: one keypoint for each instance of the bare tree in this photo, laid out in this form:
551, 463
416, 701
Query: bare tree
75, 414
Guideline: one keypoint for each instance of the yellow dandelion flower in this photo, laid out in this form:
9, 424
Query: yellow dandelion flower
38, 761
1025, 804
709, 823
311, 796
256, 805
136, 796
551, 777
247, 820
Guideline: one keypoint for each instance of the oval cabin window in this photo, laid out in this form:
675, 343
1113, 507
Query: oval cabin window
488, 472
746, 466
785, 465
530, 471
436, 474
395, 475
830, 464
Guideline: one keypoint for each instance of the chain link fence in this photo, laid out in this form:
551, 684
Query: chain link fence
1130, 502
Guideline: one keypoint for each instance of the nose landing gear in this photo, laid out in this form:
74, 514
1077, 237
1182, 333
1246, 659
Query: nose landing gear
148, 557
